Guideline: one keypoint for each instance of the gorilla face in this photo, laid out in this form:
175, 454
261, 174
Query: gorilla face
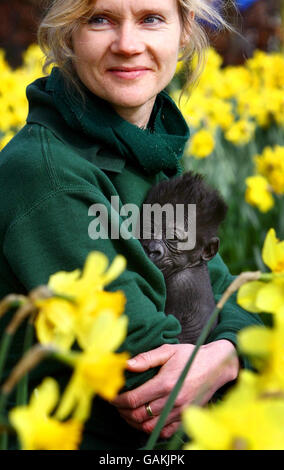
162, 248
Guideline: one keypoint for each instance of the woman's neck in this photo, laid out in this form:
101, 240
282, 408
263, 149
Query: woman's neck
139, 116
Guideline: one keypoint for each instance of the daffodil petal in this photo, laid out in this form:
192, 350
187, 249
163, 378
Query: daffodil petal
273, 252
201, 425
244, 391
76, 399
45, 434
255, 340
106, 332
64, 282
247, 296
95, 266
45, 397
37, 430
117, 267
271, 297
55, 323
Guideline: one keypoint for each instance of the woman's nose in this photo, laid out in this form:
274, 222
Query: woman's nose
127, 41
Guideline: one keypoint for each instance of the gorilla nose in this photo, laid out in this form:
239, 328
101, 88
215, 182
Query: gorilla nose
155, 250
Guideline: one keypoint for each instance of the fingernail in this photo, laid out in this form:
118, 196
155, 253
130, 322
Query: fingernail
131, 362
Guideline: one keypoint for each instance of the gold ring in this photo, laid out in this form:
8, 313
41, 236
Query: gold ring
149, 411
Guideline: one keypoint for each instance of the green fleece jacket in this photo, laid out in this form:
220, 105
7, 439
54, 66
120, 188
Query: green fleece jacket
69, 156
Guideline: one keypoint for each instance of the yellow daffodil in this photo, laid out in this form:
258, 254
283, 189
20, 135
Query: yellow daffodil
98, 369
236, 79
56, 323
270, 297
242, 421
6, 139
202, 144
12, 90
92, 307
241, 132
61, 321
247, 296
220, 114
258, 193
239, 98
270, 164
260, 296
265, 346
94, 277
273, 252
37, 430
276, 179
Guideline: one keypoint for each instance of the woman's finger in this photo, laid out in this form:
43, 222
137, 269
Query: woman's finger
170, 429
148, 426
154, 388
153, 358
149, 391
140, 415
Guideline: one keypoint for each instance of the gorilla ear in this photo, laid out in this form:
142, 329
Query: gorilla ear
210, 249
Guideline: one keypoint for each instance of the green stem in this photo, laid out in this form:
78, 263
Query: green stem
69, 298
177, 440
267, 277
25, 309
171, 400
68, 358
4, 348
3, 401
4, 435
4, 441
11, 301
281, 216
22, 389
5, 430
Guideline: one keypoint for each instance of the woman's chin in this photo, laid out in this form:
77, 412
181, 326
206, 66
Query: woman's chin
129, 101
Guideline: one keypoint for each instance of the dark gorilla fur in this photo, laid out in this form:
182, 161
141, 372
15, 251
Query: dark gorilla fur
189, 293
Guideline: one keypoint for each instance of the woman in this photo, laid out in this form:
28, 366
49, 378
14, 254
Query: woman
101, 126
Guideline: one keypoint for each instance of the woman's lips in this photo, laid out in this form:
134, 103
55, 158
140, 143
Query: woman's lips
129, 74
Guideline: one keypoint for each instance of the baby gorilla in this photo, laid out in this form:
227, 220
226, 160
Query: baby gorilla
189, 293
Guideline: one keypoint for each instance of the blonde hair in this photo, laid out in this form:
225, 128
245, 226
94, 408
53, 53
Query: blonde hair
64, 16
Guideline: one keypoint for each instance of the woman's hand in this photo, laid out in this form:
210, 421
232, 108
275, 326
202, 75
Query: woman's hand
214, 365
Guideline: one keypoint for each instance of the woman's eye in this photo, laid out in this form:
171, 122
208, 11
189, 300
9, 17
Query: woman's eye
98, 21
152, 19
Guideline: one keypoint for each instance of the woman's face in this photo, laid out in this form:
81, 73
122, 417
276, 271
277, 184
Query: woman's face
127, 52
